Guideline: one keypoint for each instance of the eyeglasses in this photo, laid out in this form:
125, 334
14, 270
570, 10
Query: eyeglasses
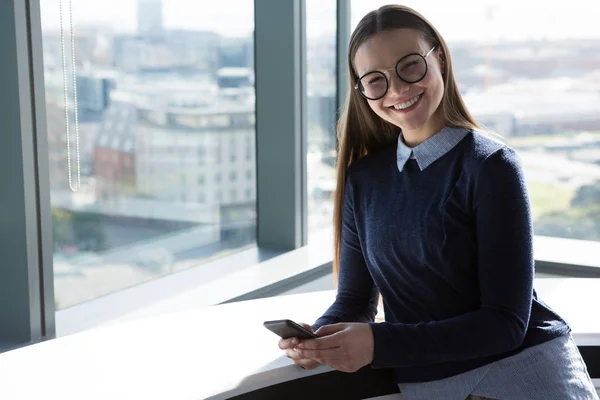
411, 68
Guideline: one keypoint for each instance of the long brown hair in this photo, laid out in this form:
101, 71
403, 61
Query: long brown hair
359, 130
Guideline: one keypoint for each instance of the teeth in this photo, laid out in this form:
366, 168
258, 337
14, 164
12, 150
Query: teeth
407, 104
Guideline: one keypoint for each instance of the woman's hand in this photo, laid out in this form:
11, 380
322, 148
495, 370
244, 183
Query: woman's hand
289, 344
346, 347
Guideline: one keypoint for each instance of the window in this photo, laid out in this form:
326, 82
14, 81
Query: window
538, 87
249, 174
221, 121
249, 148
233, 176
321, 114
203, 122
201, 156
232, 150
218, 155
150, 77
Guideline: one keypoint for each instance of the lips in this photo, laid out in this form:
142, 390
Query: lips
408, 104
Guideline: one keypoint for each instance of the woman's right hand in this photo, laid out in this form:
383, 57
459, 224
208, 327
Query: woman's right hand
289, 344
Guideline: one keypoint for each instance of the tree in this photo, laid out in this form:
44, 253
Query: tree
82, 229
567, 224
587, 196
61, 228
88, 229
580, 221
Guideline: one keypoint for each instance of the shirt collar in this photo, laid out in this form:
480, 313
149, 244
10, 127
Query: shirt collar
431, 149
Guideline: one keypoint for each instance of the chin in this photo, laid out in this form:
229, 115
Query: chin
411, 124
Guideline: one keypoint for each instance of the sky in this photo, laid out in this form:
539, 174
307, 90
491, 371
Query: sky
511, 19
456, 20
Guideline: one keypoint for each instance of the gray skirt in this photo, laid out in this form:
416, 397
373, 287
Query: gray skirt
550, 371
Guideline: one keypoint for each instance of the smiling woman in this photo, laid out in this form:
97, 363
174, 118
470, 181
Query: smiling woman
410, 96
434, 216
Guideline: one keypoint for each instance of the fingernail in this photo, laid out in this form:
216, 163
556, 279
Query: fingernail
294, 342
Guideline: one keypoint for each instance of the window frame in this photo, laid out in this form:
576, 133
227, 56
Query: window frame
280, 169
27, 312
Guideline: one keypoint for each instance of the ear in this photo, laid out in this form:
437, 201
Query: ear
441, 56
442, 60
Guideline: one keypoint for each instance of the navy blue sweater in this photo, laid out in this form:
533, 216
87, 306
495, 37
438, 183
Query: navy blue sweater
450, 249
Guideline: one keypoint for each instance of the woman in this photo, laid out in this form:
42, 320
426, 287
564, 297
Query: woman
434, 216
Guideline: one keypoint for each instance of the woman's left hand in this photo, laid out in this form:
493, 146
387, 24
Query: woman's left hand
346, 347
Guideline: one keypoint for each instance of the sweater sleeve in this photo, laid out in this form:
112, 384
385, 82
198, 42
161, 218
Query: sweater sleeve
505, 265
357, 296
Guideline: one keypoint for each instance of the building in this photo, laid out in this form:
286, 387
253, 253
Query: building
114, 155
176, 51
133, 54
126, 51
57, 152
93, 92
232, 77
236, 52
539, 106
321, 113
196, 51
150, 18
178, 151
196, 152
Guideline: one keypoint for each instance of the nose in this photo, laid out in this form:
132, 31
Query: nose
397, 85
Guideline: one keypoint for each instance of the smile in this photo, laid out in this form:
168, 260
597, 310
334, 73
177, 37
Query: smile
407, 104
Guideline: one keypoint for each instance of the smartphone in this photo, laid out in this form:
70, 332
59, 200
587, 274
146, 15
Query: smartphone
286, 329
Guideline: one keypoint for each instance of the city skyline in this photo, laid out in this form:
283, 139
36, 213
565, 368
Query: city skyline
166, 165
511, 20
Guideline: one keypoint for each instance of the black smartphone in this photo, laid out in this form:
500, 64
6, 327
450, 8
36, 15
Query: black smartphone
286, 329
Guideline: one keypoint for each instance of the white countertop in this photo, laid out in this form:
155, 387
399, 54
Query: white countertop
189, 355
214, 352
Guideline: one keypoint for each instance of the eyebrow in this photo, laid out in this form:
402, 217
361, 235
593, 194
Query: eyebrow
398, 59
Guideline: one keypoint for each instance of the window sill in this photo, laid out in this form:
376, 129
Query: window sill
120, 353
248, 274
567, 257
254, 273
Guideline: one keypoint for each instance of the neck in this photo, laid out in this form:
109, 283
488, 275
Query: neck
413, 138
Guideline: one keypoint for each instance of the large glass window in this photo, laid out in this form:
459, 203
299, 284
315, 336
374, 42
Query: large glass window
531, 72
146, 100
321, 113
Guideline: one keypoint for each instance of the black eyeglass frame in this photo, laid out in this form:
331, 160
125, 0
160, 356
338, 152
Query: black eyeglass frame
395, 68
